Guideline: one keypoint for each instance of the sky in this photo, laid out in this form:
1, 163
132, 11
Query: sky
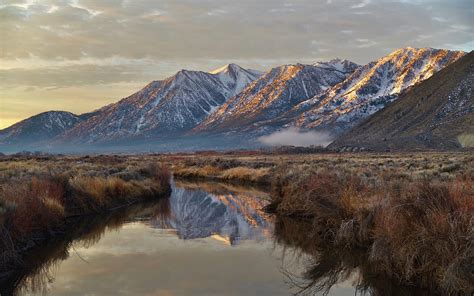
79, 55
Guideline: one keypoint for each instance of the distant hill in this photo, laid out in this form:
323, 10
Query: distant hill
41, 127
438, 114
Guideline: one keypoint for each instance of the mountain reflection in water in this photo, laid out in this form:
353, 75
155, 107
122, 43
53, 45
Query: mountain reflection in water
230, 213
206, 239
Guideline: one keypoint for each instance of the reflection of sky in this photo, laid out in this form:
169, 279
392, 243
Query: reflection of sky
140, 259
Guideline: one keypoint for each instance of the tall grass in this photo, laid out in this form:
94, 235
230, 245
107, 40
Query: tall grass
418, 232
35, 204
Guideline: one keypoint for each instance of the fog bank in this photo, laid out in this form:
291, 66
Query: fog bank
292, 136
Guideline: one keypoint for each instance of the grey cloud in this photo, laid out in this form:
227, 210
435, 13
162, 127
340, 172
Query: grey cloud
195, 33
226, 29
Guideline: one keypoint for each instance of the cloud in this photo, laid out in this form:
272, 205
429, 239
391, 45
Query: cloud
51, 43
362, 4
169, 29
294, 137
364, 43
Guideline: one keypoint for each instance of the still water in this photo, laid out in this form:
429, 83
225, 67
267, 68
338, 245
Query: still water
206, 239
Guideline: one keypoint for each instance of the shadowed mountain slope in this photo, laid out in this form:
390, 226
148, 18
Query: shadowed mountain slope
42, 127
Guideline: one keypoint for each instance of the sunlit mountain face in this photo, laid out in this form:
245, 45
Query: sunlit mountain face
163, 107
437, 113
371, 87
276, 92
356, 93
195, 110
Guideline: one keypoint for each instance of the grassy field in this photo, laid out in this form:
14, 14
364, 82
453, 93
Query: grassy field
262, 169
412, 215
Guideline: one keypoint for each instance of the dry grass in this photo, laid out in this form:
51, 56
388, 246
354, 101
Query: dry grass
37, 196
372, 167
244, 174
420, 232
411, 214
238, 174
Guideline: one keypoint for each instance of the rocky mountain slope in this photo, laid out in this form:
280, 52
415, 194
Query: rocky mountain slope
276, 92
435, 114
164, 107
233, 107
42, 127
372, 86
366, 91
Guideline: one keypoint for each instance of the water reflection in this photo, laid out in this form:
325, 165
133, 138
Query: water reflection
35, 270
206, 239
326, 265
210, 216
231, 214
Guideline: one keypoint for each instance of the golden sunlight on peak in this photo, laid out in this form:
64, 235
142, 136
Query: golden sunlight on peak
223, 239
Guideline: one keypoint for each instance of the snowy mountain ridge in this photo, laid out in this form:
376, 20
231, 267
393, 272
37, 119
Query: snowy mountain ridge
41, 127
177, 103
234, 102
276, 92
371, 87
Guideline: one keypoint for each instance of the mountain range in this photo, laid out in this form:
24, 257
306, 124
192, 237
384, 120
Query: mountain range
436, 114
164, 107
232, 107
275, 93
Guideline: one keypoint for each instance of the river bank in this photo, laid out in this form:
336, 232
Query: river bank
411, 213
38, 197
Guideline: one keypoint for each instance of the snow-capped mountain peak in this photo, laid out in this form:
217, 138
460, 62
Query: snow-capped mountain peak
344, 66
175, 104
227, 69
370, 87
235, 77
276, 92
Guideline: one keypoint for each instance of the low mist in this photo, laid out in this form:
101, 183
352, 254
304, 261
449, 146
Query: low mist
293, 137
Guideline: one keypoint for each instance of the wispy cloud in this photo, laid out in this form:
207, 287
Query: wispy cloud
49, 42
362, 4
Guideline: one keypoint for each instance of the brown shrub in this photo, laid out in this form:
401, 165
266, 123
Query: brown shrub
244, 174
425, 233
419, 232
35, 205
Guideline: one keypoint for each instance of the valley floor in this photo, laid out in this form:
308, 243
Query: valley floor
410, 214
